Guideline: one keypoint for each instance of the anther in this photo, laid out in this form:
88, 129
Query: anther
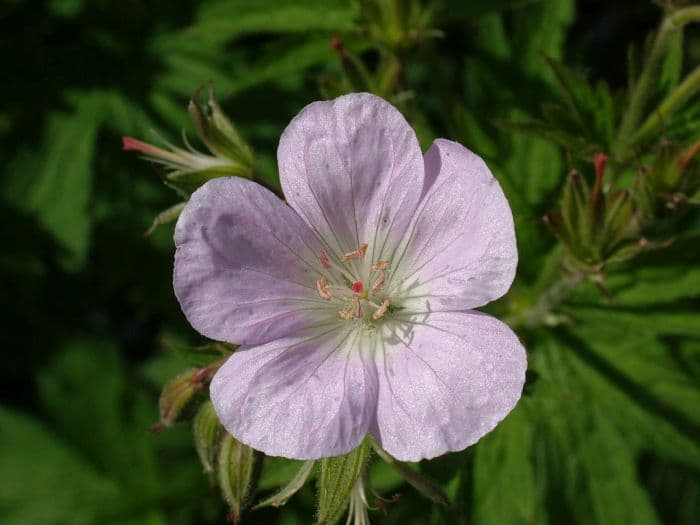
356, 254
378, 282
379, 312
356, 306
323, 289
323, 258
345, 314
380, 265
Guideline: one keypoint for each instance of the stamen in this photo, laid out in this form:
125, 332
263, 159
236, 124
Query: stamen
357, 287
357, 254
323, 289
345, 314
356, 306
323, 258
379, 312
378, 282
380, 265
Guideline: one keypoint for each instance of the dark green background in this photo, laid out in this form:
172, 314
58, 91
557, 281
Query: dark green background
608, 432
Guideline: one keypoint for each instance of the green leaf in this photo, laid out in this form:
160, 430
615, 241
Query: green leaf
43, 480
503, 466
56, 185
297, 482
618, 322
586, 456
576, 90
456, 10
223, 20
281, 63
336, 480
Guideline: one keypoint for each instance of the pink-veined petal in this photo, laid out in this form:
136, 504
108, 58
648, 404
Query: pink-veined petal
301, 397
445, 380
244, 264
353, 169
460, 252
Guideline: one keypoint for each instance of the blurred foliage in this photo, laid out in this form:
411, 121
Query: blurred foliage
608, 430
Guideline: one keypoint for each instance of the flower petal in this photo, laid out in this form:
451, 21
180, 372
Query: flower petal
353, 169
301, 397
245, 264
460, 251
447, 379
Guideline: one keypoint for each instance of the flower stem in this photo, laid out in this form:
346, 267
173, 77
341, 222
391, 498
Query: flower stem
644, 87
542, 312
684, 91
551, 289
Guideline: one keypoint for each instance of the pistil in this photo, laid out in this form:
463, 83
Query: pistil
356, 306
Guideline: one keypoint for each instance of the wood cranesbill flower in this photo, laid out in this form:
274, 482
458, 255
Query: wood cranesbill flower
353, 302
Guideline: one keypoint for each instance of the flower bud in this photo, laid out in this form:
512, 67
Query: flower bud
182, 392
672, 179
177, 395
187, 169
207, 432
596, 226
337, 480
235, 466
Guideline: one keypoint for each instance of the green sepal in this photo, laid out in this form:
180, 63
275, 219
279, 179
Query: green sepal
186, 182
165, 217
619, 219
419, 482
336, 480
218, 132
235, 468
207, 430
201, 355
575, 212
297, 482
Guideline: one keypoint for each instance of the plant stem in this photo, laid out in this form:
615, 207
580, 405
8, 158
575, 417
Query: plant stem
643, 89
542, 311
684, 91
552, 288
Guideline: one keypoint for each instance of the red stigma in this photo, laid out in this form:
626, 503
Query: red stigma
357, 287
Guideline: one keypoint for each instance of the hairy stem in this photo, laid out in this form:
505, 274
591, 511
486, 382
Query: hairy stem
644, 87
683, 92
553, 287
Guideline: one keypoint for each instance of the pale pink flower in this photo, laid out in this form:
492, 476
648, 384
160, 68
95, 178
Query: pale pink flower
353, 302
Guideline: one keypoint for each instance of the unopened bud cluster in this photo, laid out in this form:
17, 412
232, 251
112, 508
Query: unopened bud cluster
600, 225
186, 169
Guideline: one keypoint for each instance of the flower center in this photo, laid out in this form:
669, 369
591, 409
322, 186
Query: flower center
359, 300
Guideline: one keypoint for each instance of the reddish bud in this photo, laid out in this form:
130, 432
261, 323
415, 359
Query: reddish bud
600, 161
357, 287
337, 44
132, 144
